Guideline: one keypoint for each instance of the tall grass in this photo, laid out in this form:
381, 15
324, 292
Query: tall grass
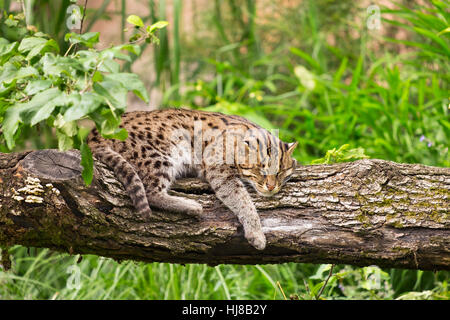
393, 105
43, 274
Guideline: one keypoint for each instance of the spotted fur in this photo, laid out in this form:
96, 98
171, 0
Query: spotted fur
163, 145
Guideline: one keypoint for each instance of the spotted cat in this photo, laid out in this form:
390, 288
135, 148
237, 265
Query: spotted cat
223, 150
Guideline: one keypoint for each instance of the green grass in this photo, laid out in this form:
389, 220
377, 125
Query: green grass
396, 106
43, 274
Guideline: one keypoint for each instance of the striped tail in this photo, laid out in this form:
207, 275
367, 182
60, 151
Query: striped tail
126, 174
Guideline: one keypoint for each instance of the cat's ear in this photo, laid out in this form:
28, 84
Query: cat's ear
292, 146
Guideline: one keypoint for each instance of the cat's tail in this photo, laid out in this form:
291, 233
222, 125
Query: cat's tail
126, 174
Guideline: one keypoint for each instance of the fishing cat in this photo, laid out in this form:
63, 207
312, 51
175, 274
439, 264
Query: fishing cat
163, 145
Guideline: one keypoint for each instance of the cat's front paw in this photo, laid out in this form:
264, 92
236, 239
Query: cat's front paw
256, 239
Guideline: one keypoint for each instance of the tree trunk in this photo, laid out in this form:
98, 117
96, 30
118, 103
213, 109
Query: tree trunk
367, 212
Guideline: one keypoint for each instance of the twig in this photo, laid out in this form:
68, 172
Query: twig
326, 281
68, 50
84, 15
81, 24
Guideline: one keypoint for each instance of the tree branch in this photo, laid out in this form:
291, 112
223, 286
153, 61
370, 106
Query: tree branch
361, 213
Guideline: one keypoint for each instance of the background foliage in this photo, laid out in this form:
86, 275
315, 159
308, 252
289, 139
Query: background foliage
313, 69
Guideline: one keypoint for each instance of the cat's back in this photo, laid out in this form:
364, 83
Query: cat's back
160, 129
181, 118
162, 125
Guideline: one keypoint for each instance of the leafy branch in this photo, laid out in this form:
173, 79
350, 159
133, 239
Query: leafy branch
343, 154
39, 86
145, 33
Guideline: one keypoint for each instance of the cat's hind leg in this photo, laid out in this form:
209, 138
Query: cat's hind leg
157, 186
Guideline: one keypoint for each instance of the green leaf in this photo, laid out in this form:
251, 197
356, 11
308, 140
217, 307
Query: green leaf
131, 82
97, 77
83, 132
6, 88
88, 39
35, 46
341, 155
106, 121
26, 72
70, 128
319, 275
49, 46
36, 86
307, 58
132, 48
56, 65
7, 50
41, 35
3, 43
354, 154
29, 43
109, 65
88, 59
109, 126
435, 38
116, 52
10, 125
446, 30
87, 162
119, 134
39, 108
10, 73
42, 113
64, 141
50, 66
113, 91
88, 102
59, 121
135, 20
157, 25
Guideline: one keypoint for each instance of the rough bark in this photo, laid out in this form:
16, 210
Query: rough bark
367, 212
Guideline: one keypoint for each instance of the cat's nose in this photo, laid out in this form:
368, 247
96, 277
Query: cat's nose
270, 187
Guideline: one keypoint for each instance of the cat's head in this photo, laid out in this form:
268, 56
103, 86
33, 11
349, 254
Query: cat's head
271, 167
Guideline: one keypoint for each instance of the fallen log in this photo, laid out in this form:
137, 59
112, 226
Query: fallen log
367, 212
